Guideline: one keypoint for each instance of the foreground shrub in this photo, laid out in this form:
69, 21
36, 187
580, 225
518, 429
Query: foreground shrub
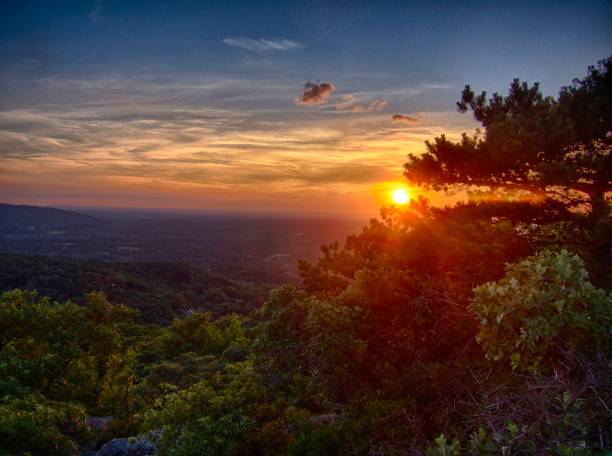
35, 425
544, 304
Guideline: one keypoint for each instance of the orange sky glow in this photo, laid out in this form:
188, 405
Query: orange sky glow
348, 165
257, 106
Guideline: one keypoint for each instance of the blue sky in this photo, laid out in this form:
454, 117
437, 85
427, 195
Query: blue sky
197, 104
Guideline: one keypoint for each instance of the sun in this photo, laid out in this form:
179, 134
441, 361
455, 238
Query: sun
400, 196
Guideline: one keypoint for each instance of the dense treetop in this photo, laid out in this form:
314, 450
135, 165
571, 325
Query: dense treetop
542, 146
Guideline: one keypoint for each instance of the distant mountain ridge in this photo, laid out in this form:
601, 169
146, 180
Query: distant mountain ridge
40, 218
247, 248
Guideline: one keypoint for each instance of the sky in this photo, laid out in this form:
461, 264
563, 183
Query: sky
259, 106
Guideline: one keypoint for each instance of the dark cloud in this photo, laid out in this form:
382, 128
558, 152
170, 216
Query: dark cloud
404, 119
315, 93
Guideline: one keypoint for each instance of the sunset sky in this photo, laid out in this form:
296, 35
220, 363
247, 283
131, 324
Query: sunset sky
289, 106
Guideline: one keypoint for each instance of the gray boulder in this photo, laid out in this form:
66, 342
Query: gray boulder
132, 446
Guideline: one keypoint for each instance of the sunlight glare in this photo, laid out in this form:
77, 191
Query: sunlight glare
400, 196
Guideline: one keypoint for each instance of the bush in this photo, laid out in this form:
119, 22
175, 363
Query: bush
41, 427
543, 306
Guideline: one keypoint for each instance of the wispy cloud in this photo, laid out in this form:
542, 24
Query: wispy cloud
217, 138
350, 104
439, 86
315, 93
263, 45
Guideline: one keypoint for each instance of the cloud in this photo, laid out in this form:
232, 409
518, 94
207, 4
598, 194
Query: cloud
378, 105
404, 119
203, 138
351, 105
344, 173
263, 45
315, 93
439, 86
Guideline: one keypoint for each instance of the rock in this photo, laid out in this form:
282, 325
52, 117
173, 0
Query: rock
132, 446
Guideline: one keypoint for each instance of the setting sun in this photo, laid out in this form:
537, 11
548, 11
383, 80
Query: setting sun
400, 196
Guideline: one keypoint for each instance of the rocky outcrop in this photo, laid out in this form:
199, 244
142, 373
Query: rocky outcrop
132, 446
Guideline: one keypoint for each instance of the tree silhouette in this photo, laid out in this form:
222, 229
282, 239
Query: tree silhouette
539, 147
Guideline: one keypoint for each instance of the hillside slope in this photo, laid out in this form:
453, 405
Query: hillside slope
40, 218
160, 291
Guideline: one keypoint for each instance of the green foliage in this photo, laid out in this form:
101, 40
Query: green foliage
541, 417
545, 415
444, 448
65, 351
158, 291
308, 437
55, 355
543, 305
193, 334
187, 352
545, 147
41, 427
278, 350
211, 417
376, 366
